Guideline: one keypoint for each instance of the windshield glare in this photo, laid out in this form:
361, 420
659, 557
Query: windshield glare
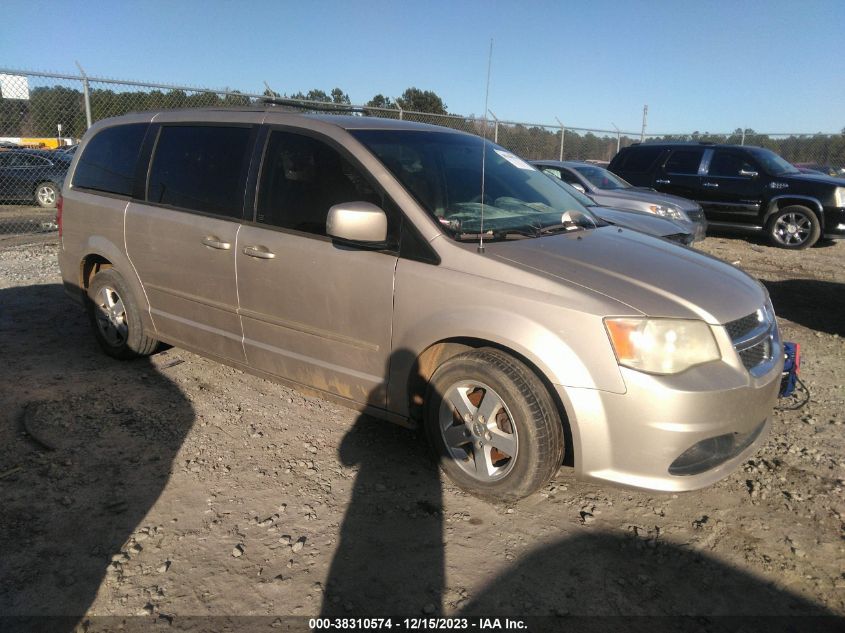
774, 164
601, 178
442, 170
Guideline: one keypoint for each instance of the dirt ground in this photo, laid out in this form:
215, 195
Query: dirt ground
175, 486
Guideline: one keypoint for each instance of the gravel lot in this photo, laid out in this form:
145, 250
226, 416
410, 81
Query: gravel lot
175, 486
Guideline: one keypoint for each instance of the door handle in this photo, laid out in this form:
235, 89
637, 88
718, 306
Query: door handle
661, 181
711, 184
214, 242
260, 252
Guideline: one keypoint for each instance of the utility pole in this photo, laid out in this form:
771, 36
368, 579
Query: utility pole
645, 115
618, 136
562, 134
496, 128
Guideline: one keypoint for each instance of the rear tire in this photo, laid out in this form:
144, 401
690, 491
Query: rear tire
493, 425
46, 195
116, 319
794, 227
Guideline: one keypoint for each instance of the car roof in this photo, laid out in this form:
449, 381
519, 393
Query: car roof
278, 115
702, 144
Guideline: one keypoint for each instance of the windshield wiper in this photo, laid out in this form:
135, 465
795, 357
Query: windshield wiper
494, 235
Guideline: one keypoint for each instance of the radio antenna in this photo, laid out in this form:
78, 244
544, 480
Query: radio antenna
484, 147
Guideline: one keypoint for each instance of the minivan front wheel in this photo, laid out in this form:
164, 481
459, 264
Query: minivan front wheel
116, 319
493, 425
794, 227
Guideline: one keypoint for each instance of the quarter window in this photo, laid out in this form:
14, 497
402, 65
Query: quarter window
639, 160
110, 158
684, 161
302, 178
201, 167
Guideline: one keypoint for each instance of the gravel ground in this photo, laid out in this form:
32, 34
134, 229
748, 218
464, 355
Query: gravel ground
175, 486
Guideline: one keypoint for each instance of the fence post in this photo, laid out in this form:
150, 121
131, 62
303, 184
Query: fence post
562, 134
401, 111
742, 142
86, 94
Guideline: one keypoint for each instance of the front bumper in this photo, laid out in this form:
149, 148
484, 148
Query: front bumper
834, 223
634, 439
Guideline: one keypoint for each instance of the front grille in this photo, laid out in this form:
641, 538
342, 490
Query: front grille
739, 328
694, 214
756, 354
754, 337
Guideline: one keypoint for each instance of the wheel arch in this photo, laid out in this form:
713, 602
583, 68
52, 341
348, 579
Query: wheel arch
781, 202
434, 355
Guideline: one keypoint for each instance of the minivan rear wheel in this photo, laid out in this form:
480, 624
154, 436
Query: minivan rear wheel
794, 227
493, 425
116, 319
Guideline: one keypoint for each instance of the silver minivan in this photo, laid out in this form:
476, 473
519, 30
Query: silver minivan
427, 277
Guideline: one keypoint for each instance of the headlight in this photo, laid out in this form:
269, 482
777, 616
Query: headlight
668, 212
661, 346
839, 195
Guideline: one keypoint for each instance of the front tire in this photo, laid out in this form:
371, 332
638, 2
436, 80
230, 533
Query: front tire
794, 227
46, 195
493, 425
116, 319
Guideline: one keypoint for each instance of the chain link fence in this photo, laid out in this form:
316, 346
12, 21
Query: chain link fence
44, 115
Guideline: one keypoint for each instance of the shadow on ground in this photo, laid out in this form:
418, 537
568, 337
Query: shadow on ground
86, 448
391, 561
817, 305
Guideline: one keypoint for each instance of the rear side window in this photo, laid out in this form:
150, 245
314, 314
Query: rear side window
109, 160
639, 160
684, 161
201, 168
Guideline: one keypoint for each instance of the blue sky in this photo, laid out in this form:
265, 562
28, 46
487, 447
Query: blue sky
775, 65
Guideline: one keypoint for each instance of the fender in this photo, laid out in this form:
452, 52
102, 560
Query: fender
541, 346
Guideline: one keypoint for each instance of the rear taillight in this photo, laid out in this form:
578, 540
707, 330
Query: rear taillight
59, 204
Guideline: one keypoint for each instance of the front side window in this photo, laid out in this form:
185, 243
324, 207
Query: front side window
684, 161
302, 178
772, 163
201, 168
729, 164
110, 158
443, 171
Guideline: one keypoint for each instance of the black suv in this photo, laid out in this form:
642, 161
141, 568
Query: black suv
741, 186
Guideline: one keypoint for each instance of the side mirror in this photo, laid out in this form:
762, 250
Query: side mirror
748, 174
357, 222
579, 187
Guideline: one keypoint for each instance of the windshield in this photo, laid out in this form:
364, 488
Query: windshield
601, 178
442, 170
772, 163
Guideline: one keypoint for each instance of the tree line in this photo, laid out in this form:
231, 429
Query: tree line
52, 105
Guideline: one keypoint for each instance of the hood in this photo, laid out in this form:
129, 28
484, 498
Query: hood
820, 178
640, 221
618, 198
654, 277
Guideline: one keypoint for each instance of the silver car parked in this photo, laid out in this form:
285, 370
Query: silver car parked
609, 190
362, 259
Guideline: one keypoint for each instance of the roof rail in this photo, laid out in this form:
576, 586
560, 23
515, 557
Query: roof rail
311, 105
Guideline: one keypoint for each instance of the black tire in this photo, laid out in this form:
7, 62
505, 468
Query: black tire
116, 319
794, 227
46, 195
531, 422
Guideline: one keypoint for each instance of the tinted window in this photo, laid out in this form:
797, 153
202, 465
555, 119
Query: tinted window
28, 160
109, 160
567, 176
728, 164
684, 161
302, 178
201, 168
639, 160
